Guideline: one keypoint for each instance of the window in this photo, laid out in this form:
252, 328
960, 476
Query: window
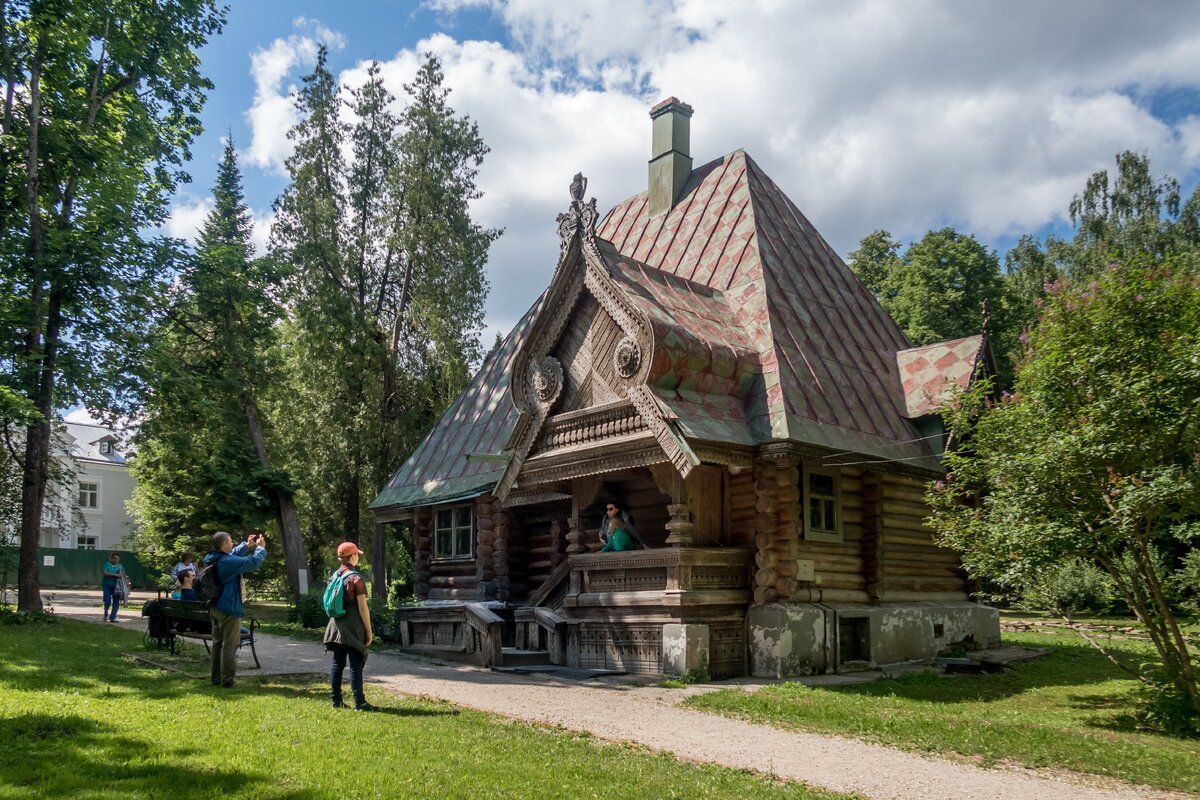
105, 447
452, 533
89, 494
822, 517
86, 542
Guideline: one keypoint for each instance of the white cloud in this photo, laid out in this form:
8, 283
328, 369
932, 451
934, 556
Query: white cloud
187, 217
263, 220
273, 111
869, 114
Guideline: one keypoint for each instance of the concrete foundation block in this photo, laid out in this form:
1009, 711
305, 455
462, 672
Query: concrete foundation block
685, 650
787, 641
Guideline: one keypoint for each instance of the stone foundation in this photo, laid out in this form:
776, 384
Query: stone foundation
792, 640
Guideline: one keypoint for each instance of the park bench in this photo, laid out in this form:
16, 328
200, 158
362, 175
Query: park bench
189, 620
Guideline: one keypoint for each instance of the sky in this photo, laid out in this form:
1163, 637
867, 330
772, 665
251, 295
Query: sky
869, 114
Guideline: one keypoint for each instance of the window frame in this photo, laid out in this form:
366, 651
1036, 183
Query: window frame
830, 535
452, 532
87, 542
79, 484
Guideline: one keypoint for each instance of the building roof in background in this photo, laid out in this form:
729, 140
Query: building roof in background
930, 373
84, 440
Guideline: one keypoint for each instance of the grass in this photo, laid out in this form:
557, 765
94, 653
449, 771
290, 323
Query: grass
79, 720
1072, 710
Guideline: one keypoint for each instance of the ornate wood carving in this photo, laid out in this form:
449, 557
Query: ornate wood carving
591, 425
679, 453
680, 526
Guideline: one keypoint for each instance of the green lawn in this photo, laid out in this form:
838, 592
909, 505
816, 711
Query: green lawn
1071, 709
79, 720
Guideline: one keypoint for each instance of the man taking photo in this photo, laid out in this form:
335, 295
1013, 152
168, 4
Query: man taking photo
229, 564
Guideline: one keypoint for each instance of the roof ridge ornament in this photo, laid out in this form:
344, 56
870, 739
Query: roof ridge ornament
579, 220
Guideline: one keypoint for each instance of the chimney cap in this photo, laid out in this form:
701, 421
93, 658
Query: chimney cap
672, 103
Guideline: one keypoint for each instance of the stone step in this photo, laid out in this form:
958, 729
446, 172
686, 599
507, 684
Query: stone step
513, 657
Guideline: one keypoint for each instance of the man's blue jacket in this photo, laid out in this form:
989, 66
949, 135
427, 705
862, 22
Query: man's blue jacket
230, 571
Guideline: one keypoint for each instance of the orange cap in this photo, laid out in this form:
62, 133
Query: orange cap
347, 549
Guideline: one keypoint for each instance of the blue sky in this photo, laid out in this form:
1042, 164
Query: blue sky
868, 113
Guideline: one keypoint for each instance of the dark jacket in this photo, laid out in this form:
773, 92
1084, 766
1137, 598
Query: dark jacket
349, 629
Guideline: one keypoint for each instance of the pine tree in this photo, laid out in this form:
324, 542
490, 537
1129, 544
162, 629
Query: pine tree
203, 460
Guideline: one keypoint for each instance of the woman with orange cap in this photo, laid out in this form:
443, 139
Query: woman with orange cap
349, 635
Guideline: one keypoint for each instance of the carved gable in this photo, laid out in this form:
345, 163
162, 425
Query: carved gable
586, 351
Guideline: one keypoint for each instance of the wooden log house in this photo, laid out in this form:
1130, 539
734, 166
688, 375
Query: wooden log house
703, 357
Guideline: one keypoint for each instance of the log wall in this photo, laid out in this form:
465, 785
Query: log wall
912, 567
741, 510
777, 528
886, 554
460, 579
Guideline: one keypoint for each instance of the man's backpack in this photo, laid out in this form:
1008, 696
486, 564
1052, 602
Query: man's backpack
207, 585
335, 594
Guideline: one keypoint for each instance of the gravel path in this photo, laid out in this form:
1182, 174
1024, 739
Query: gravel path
650, 716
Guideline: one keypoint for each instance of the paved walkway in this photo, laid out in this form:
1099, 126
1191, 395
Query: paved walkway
652, 717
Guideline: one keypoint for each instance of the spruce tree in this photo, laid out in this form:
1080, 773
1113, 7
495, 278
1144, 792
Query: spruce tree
204, 460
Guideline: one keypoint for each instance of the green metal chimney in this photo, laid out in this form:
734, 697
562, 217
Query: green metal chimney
670, 153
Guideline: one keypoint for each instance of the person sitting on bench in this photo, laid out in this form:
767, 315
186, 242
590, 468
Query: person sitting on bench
185, 590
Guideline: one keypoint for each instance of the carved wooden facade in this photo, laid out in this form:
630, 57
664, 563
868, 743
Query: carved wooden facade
667, 389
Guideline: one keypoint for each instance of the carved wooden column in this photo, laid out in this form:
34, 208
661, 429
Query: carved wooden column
557, 543
679, 527
423, 545
500, 562
575, 535
485, 540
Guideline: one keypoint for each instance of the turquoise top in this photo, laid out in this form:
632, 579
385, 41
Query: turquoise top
111, 573
619, 540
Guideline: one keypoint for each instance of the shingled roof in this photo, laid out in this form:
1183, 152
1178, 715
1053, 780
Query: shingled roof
825, 345
761, 334
930, 373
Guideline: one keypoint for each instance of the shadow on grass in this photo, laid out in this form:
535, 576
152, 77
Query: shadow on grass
71, 756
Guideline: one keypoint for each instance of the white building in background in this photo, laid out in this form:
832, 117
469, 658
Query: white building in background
95, 513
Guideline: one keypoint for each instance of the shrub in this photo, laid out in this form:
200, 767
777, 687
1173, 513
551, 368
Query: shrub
1070, 588
310, 610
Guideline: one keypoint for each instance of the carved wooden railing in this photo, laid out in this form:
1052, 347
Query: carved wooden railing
671, 576
542, 629
468, 632
545, 595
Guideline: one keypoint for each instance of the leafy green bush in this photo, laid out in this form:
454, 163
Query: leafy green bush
310, 610
1070, 588
383, 620
10, 616
400, 594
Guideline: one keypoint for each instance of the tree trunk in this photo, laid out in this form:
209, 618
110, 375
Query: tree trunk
379, 576
352, 503
285, 508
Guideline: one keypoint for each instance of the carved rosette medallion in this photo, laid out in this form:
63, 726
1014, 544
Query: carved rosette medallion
546, 379
627, 357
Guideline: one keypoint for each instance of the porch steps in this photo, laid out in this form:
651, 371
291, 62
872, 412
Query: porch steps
514, 657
